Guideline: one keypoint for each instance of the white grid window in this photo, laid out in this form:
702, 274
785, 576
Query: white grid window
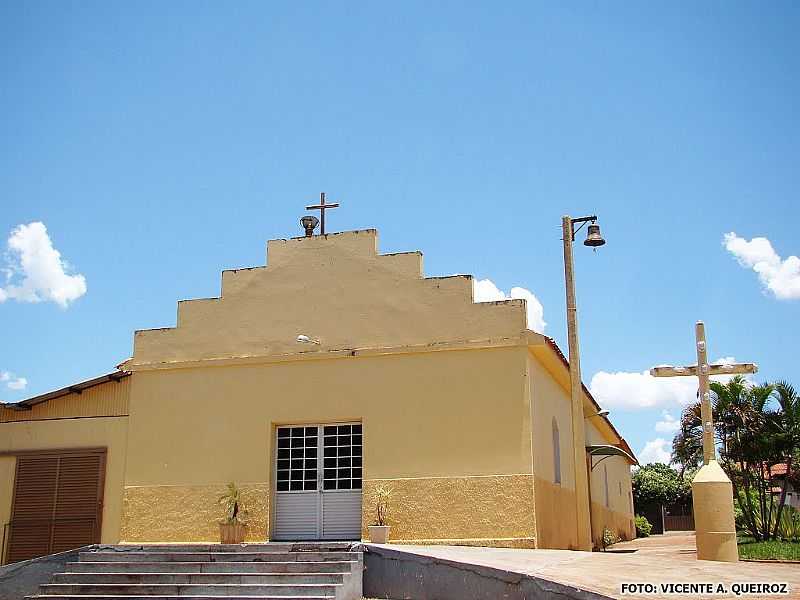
341, 447
297, 458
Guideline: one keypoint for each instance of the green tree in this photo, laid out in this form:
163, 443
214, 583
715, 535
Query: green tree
659, 484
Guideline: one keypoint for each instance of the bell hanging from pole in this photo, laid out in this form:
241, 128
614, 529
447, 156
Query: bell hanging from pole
593, 237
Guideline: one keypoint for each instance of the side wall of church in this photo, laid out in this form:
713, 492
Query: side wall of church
555, 501
447, 431
612, 503
97, 418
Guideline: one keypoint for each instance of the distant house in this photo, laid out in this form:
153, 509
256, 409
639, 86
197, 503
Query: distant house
777, 475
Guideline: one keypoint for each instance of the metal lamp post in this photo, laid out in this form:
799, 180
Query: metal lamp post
582, 508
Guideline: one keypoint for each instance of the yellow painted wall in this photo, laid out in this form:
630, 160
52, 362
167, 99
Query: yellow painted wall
426, 429
483, 510
555, 502
108, 432
336, 288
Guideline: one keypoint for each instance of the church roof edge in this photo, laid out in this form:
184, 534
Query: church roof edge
551, 343
326, 235
75, 388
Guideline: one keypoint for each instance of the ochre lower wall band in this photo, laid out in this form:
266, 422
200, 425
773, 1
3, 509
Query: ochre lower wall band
189, 513
555, 515
556, 526
493, 511
619, 523
481, 511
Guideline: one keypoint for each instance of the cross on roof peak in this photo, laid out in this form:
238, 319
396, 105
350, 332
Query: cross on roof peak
322, 207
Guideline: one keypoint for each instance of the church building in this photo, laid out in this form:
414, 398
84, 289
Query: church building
309, 383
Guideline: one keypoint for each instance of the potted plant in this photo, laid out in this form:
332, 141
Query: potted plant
379, 532
233, 528
609, 538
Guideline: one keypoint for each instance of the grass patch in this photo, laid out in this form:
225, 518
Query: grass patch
772, 550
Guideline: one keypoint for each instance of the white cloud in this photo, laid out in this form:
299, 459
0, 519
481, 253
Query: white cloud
633, 390
41, 271
779, 276
668, 423
655, 451
637, 390
486, 291
18, 383
12, 381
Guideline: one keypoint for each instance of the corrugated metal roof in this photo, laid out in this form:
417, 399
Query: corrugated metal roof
75, 388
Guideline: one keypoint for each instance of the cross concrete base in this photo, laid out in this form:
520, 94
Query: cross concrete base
712, 498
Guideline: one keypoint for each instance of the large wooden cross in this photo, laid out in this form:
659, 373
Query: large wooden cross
702, 370
322, 207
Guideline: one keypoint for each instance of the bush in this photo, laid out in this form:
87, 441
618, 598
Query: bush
788, 528
643, 526
738, 516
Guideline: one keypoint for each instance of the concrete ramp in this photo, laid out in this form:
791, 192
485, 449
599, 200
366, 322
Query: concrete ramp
654, 567
456, 573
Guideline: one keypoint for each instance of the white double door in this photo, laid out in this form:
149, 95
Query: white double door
318, 472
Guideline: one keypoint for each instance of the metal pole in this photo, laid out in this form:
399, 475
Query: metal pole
706, 413
322, 213
582, 509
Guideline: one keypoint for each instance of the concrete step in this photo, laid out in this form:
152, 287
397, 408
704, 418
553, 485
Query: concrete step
292, 566
170, 589
132, 556
284, 571
195, 597
199, 578
258, 547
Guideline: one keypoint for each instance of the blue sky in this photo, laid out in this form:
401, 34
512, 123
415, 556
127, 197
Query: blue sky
161, 143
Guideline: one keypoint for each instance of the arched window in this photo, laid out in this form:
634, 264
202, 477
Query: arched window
605, 477
556, 453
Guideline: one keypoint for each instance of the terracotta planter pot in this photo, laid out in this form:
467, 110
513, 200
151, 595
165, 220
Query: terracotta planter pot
378, 534
232, 533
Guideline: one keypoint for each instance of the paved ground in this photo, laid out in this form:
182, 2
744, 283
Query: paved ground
669, 558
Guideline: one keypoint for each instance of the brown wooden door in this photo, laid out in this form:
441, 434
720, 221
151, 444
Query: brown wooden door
58, 499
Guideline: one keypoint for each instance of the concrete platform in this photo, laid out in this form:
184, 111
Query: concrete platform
669, 558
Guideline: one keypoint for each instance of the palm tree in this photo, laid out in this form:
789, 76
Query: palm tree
687, 445
741, 421
787, 426
740, 416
